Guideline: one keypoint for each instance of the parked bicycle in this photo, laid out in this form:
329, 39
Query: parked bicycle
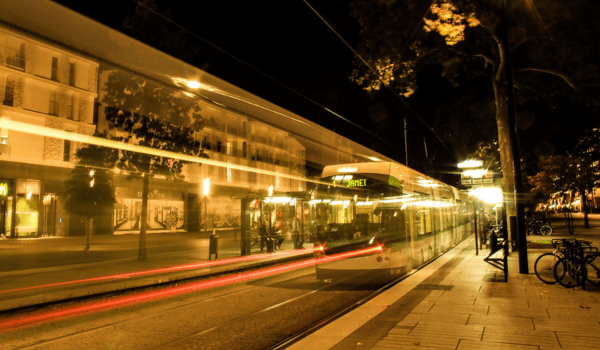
578, 265
535, 226
544, 264
572, 263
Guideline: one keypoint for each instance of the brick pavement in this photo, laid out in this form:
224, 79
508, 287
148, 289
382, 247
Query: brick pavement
469, 307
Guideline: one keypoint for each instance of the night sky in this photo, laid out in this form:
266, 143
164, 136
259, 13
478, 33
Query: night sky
283, 52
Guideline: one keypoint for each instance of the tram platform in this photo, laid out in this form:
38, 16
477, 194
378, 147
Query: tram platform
461, 302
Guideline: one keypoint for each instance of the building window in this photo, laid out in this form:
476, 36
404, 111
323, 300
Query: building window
69, 108
9, 91
54, 71
67, 151
53, 105
228, 151
16, 55
72, 73
218, 147
3, 137
244, 150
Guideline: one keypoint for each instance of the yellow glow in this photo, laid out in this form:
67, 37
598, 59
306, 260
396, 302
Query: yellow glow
475, 173
8, 124
470, 163
490, 195
206, 186
193, 84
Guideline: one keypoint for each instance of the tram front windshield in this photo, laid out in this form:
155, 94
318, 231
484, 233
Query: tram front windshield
348, 207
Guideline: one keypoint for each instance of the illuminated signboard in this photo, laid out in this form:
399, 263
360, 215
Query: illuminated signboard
3, 189
394, 182
357, 183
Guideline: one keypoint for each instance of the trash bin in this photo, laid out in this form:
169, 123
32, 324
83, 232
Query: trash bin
269, 245
213, 245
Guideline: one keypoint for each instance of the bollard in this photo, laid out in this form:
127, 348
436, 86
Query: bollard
269, 245
213, 245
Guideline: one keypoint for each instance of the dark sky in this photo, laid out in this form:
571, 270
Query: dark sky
283, 52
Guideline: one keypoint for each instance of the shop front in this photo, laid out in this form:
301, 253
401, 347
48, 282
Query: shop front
165, 210
19, 207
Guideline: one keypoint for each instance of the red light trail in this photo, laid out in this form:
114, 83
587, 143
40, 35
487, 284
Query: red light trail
157, 271
21, 321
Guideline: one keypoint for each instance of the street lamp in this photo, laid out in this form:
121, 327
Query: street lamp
206, 190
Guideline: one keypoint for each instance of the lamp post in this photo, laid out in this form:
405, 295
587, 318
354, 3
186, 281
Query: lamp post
472, 170
206, 190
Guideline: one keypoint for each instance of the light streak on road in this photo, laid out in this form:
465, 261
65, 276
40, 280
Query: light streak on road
149, 296
159, 271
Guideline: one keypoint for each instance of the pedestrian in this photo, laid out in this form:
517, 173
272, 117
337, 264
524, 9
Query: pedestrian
277, 237
262, 232
298, 239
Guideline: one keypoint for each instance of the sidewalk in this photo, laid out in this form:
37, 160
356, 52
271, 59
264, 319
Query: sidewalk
461, 302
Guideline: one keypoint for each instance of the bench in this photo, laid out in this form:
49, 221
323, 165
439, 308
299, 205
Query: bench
498, 256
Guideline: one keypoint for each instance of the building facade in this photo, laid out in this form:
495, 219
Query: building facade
40, 85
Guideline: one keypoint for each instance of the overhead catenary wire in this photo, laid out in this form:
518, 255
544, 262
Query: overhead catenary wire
139, 3
364, 61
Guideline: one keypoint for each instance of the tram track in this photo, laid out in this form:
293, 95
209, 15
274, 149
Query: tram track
59, 341
276, 324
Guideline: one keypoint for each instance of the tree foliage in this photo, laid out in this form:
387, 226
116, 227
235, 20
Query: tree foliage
150, 114
467, 40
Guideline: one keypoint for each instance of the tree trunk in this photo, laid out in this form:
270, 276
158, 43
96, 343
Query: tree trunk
89, 228
505, 145
142, 254
584, 209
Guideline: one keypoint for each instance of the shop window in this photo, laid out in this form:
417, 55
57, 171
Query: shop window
26, 208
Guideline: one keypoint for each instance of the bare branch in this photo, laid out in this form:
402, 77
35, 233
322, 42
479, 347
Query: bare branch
552, 72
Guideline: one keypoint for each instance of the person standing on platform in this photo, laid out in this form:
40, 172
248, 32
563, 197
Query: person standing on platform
298, 239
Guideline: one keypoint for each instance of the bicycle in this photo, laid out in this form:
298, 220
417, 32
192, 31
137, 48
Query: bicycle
537, 226
578, 265
544, 264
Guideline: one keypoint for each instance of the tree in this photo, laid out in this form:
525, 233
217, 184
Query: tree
150, 114
587, 155
577, 171
89, 190
466, 40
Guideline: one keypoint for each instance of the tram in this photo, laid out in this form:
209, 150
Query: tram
398, 217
